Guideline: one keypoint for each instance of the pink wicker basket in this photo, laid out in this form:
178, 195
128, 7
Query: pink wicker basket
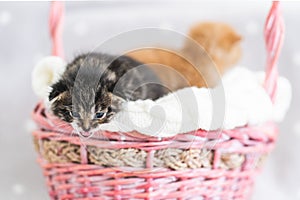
130, 166
195, 165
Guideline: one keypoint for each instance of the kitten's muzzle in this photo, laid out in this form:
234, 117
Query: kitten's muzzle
86, 126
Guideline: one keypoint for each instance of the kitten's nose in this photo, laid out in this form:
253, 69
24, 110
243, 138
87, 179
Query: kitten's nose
86, 129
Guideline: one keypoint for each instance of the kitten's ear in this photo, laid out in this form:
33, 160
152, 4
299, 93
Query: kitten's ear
235, 38
116, 102
57, 89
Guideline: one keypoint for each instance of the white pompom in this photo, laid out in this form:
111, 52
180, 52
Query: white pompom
45, 73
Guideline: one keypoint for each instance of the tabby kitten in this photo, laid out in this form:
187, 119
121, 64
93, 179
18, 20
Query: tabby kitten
93, 87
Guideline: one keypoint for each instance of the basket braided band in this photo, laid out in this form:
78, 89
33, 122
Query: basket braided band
111, 165
56, 151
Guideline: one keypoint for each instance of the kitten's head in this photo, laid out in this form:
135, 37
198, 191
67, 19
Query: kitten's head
85, 108
220, 41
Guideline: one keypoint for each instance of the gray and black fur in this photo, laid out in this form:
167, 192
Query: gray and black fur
94, 85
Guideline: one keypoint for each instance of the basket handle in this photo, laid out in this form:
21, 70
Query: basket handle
274, 35
56, 27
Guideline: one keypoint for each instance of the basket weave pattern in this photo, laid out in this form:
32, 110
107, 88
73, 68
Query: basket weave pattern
196, 165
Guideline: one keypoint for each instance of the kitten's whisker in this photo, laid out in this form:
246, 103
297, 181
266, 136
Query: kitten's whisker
99, 132
59, 125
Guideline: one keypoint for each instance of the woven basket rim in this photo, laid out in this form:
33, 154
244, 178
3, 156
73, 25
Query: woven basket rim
248, 132
123, 147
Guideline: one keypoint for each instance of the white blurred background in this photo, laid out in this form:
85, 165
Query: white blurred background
24, 39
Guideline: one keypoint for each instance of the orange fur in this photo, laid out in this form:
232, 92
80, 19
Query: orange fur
220, 50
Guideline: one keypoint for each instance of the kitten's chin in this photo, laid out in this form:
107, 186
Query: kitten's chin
79, 131
82, 133
86, 134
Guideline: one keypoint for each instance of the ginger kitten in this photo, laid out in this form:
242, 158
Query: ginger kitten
219, 50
